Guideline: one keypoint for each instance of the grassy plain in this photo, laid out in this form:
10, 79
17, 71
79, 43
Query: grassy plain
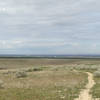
47, 79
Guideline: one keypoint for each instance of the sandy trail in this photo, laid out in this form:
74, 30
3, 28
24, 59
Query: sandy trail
84, 94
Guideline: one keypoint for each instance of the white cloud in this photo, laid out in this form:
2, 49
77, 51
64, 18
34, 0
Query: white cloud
45, 24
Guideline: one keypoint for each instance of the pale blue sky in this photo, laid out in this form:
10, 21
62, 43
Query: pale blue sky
49, 27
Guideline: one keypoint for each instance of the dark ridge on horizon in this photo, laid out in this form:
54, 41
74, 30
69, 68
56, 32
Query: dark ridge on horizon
49, 56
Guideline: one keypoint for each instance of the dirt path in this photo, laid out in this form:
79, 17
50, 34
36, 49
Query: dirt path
84, 94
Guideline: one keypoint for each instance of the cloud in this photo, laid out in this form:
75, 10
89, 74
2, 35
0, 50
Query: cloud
49, 26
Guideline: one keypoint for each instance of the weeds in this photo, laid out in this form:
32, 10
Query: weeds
21, 74
1, 84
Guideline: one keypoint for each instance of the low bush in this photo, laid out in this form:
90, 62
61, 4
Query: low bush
37, 69
34, 69
97, 73
85, 67
21, 74
1, 84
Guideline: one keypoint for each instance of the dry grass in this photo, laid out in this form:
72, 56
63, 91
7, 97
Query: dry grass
47, 79
68, 78
23, 63
42, 85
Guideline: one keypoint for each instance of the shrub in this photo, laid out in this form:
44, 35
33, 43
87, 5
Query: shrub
97, 73
1, 84
33, 69
21, 74
30, 70
85, 67
37, 69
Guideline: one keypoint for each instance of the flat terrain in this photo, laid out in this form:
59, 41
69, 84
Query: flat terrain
24, 62
49, 79
85, 93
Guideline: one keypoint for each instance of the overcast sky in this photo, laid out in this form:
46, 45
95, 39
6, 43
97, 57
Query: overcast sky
49, 26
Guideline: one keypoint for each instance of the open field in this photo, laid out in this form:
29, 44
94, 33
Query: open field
42, 85
47, 79
96, 89
24, 62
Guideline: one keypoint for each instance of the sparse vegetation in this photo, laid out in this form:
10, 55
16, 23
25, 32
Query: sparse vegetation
46, 79
21, 74
95, 91
44, 86
97, 73
37, 69
1, 84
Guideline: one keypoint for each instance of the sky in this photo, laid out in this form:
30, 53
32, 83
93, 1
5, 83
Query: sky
50, 27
